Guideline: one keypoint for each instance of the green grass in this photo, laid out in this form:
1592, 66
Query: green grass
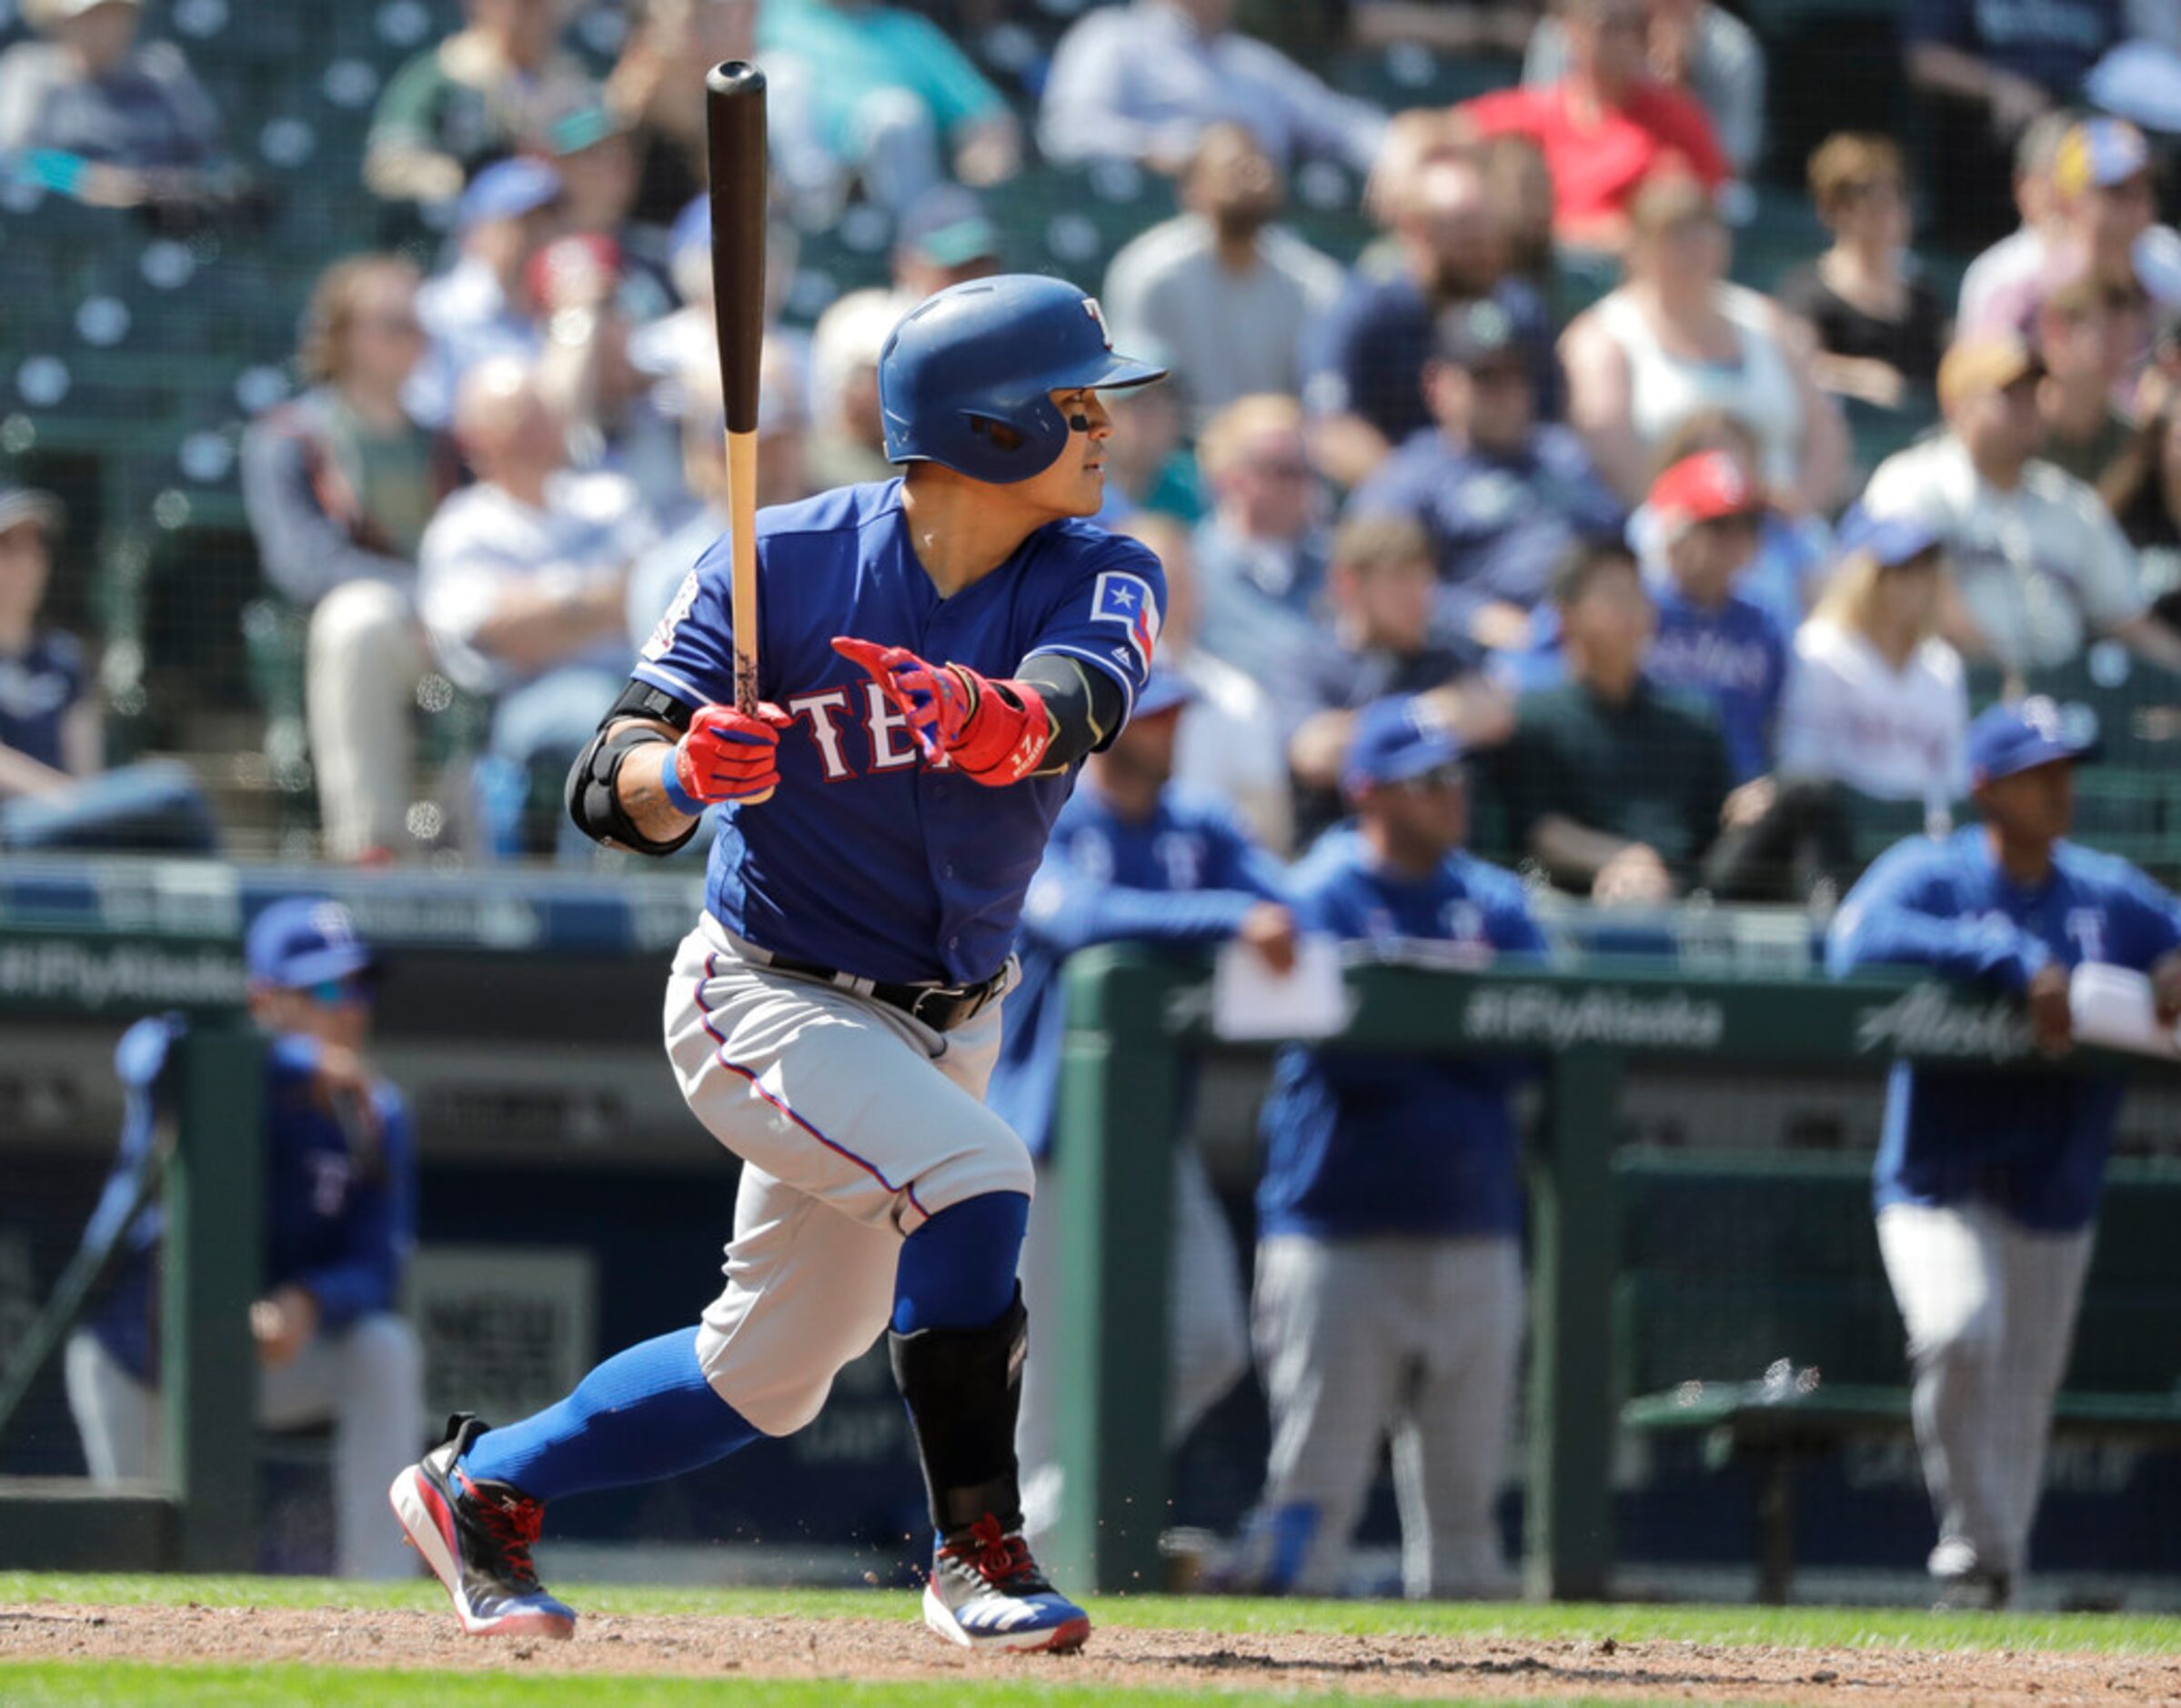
1797, 1627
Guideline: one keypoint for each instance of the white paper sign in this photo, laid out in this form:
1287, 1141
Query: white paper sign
2113, 1006
1249, 1000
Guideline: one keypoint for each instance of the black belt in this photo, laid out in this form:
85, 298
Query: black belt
941, 1007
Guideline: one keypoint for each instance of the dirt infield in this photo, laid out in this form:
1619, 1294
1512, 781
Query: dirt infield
870, 1649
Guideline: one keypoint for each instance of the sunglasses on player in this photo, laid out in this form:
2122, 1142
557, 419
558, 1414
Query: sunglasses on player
1454, 775
355, 986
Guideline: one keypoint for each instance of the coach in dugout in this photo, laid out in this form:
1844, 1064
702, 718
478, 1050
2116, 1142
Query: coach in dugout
1389, 1298
1988, 1184
339, 1208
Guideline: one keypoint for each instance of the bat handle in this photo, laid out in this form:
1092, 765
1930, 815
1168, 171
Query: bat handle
742, 517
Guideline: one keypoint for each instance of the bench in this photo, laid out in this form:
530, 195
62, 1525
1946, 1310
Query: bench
1751, 1309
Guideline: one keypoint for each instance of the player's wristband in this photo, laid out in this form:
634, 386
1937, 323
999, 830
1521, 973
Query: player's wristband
669, 782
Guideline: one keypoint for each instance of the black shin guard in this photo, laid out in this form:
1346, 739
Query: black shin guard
963, 1388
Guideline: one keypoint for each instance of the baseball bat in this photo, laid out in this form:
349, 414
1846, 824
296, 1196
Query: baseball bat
734, 103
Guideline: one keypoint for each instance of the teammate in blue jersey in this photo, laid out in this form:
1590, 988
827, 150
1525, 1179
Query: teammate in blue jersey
1988, 1184
834, 1016
1389, 1275
339, 1221
1135, 858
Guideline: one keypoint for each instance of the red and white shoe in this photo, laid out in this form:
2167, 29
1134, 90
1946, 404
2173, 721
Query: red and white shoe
476, 1538
986, 1592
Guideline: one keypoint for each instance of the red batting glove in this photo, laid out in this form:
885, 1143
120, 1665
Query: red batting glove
994, 732
725, 755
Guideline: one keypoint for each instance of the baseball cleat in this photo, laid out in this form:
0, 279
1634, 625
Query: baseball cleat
476, 1538
986, 1592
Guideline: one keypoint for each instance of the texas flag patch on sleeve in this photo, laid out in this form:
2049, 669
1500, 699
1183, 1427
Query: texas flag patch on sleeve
1126, 599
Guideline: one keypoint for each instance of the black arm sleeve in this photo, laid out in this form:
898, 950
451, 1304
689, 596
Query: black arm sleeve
1086, 706
593, 798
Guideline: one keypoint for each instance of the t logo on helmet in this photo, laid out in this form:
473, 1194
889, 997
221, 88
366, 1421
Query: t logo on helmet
1097, 314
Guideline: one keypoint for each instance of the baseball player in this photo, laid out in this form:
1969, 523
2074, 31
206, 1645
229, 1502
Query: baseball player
835, 1014
1134, 858
1389, 1271
1986, 1185
341, 1217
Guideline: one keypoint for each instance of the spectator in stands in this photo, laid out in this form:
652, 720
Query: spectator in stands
1794, 553
1988, 1183
1701, 51
2040, 568
2143, 491
1607, 128
608, 408
1148, 465
523, 585
339, 485
1615, 787
108, 119
1380, 585
1876, 700
2103, 205
657, 88
1879, 324
1364, 359
54, 791
2036, 204
487, 91
1389, 1297
595, 153
1260, 553
872, 93
2088, 334
1712, 643
1519, 185
1134, 858
1144, 80
341, 1223
480, 307
1500, 495
848, 437
1676, 338
1232, 744
659, 573
1994, 70
1220, 286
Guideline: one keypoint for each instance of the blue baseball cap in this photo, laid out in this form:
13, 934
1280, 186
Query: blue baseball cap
507, 189
1394, 740
303, 940
1893, 541
1163, 692
2020, 735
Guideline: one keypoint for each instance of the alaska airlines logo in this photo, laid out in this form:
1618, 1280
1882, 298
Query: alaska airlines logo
1927, 1021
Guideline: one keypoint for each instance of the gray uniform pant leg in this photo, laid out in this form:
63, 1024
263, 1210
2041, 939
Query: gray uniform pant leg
1990, 1312
1449, 1438
366, 1380
1333, 1356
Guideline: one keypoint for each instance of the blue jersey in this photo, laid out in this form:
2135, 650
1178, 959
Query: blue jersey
1498, 525
1358, 1142
340, 1212
868, 858
1734, 657
37, 687
2033, 1144
1184, 877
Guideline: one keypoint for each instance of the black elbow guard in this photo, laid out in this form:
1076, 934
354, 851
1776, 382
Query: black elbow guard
1086, 706
594, 801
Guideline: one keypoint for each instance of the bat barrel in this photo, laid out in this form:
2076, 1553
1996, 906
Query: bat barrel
735, 123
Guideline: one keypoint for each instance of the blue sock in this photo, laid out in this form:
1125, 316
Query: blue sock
958, 1271
643, 1414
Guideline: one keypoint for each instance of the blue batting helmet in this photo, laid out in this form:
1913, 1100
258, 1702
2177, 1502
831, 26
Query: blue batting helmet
965, 379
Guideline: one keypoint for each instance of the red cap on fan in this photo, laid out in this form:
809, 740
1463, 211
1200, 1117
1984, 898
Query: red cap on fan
564, 271
1701, 488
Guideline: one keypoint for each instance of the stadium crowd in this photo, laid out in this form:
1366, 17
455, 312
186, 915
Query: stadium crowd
1533, 457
